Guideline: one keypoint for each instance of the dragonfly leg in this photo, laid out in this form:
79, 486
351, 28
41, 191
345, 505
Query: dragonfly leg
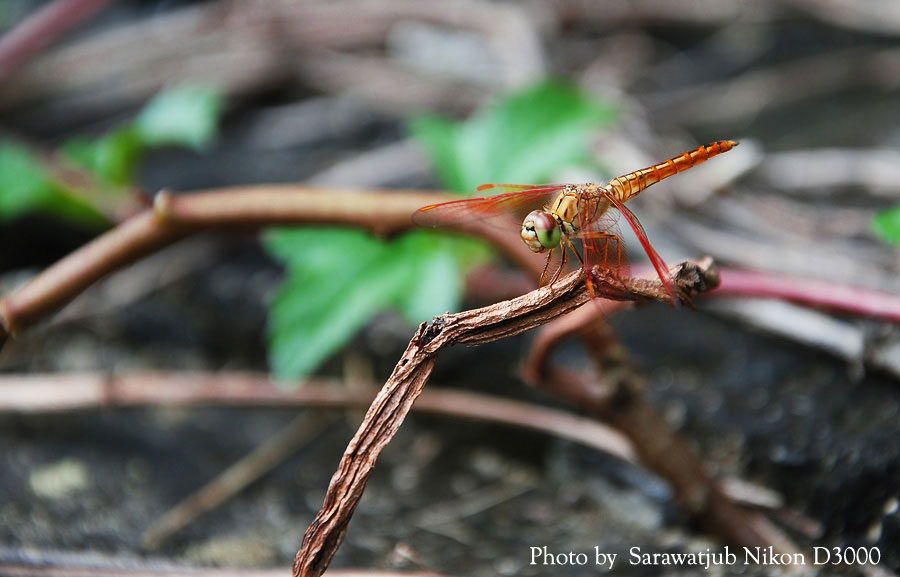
593, 253
604, 263
590, 285
562, 265
575, 252
546, 266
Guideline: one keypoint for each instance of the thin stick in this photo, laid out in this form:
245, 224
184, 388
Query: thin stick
51, 393
172, 218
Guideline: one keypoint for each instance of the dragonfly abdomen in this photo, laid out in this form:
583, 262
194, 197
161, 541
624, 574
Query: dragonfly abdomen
629, 185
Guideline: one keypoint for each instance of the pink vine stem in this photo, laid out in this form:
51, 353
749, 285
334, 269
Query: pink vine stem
811, 292
41, 28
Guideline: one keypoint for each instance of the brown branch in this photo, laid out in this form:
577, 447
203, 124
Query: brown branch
49, 393
586, 322
173, 217
669, 456
395, 399
382, 212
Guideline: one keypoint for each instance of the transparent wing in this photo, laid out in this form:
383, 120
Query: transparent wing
520, 200
603, 246
658, 263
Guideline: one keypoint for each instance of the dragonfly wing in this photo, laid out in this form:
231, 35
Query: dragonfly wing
518, 201
658, 263
507, 187
603, 246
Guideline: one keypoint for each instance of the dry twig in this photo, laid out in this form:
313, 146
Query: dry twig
395, 399
47, 393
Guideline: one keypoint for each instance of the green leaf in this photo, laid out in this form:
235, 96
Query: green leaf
523, 138
440, 139
23, 185
314, 248
886, 225
432, 265
113, 157
183, 116
339, 278
26, 186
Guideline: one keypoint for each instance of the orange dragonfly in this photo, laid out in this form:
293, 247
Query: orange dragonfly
585, 211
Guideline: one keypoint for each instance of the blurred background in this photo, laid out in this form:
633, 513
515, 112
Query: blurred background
102, 104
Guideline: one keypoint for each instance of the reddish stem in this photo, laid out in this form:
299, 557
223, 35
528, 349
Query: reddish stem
812, 292
41, 28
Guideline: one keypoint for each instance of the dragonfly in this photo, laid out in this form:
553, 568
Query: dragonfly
564, 212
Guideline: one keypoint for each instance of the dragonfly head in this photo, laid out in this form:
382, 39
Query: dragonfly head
540, 231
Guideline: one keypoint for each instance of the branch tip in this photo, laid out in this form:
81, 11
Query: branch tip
431, 330
700, 276
162, 205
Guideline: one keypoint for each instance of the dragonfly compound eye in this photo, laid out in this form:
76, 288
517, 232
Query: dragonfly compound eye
540, 231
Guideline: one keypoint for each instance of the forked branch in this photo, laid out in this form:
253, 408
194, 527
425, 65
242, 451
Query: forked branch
394, 401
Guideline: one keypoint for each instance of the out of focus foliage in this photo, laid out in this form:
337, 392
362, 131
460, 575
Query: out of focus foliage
337, 279
887, 225
525, 138
57, 184
185, 116
28, 185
